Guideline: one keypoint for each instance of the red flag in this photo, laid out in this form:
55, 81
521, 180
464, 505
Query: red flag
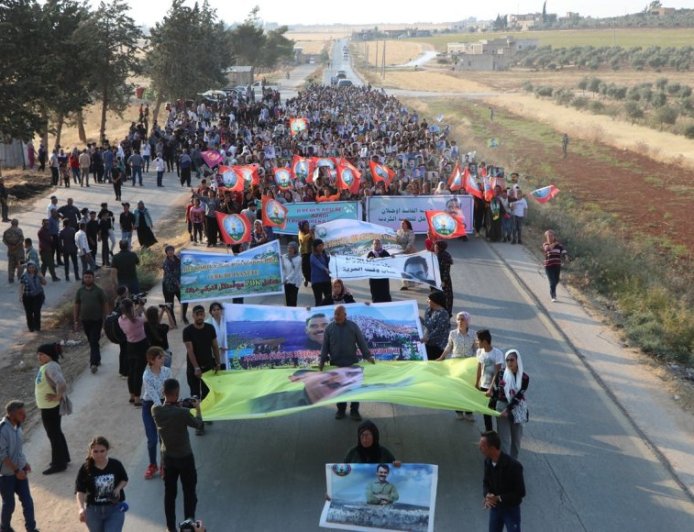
231, 180
498, 182
483, 171
444, 224
274, 213
456, 181
488, 190
235, 228
348, 177
212, 158
302, 168
297, 125
283, 177
544, 194
380, 172
249, 173
471, 186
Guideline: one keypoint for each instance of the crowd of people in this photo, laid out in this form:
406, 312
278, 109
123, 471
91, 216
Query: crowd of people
357, 125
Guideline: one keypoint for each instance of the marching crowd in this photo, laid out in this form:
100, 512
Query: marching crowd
358, 125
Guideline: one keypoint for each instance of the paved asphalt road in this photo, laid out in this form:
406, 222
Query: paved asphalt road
585, 466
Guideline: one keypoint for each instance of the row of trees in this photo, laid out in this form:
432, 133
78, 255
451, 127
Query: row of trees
613, 57
59, 56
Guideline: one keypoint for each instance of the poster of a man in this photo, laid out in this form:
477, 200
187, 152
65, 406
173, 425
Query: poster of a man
399, 498
315, 330
417, 269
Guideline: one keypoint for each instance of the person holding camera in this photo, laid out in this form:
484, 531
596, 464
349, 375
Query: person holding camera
172, 420
132, 323
99, 489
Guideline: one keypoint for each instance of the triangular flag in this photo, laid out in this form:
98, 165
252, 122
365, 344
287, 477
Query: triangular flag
471, 186
455, 181
380, 172
544, 194
283, 178
274, 213
235, 228
231, 180
444, 224
487, 186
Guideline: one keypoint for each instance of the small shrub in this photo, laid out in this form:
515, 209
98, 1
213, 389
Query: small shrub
661, 83
633, 111
596, 107
667, 115
544, 90
685, 92
580, 103
689, 132
674, 88
527, 86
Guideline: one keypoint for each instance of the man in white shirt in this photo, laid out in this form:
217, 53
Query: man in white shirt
52, 206
83, 250
519, 208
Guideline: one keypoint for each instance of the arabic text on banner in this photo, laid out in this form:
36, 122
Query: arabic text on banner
207, 276
318, 213
267, 336
391, 210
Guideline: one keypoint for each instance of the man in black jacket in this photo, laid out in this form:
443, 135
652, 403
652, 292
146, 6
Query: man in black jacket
503, 485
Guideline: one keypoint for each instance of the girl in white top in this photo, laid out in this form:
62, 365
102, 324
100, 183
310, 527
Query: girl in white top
462, 342
152, 395
217, 321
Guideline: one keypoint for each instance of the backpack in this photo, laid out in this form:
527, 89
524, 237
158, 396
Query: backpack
112, 329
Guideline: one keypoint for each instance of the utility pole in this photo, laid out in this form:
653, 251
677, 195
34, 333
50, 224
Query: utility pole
383, 75
376, 57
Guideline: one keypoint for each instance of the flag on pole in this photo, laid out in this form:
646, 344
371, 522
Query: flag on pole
231, 180
301, 167
283, 178
488, 189
249, 173
455, 181
274, 213
348, 177
544, 194
471, 186
444, 224
380, 172
212, 158
235, 228
297, 125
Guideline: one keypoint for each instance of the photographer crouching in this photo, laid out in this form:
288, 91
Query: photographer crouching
172, 420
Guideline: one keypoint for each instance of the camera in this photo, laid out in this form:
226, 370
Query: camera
190, 525
188, 402
139, 299
166, 305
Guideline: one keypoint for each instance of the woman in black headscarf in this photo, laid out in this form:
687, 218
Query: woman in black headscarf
368, 449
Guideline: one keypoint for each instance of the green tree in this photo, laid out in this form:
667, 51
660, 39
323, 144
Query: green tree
633, 111
248, 40
277, 47
112, 40
666, 115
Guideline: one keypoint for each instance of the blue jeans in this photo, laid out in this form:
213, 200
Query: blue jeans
509, 516
517, 227
160, 176
9, 486
105, 518
150, 431
506, 227
146, 158
137, 172
127, 236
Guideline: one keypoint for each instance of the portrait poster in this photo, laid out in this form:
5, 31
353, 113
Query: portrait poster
318, 213
354, 237
422, 267
389, 211
253, 273
270, 336
380, 497
446, 385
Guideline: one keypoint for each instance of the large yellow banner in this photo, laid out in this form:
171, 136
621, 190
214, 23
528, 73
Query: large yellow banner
446, 385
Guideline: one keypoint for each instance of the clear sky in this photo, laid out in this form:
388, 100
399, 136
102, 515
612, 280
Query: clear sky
289, 12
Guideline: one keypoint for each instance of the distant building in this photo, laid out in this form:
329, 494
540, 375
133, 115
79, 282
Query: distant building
524, 22
661, 11
240, 75
12, 153
494, 54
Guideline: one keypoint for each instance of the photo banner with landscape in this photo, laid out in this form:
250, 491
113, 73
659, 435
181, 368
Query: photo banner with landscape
422, 267
446, 385
253, 273
269, 336
389, 211
378, 497
354, 237
318, 213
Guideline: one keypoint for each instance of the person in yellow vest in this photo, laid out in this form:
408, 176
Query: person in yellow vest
50, 390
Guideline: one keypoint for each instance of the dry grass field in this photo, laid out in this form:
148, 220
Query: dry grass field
625, 37
397, 52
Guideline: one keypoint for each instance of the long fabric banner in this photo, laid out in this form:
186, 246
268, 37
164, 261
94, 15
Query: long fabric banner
318, 213
391, 210
267, 336
422, 267
354, 237
447, 385
378, 497
255, 272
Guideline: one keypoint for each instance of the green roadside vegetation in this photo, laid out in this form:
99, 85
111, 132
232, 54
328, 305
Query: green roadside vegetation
622, 37
643, 282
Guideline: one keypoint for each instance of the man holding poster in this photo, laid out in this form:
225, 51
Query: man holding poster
340, 342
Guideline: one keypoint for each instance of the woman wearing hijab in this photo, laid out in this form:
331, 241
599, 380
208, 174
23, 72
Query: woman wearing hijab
511, 386
50, 390
258, 236
380, 288
368, 449
340, 293
292, 266
31, 295
143, 224
445, 263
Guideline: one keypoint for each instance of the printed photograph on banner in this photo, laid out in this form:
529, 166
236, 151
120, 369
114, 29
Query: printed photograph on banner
354, 237
380, 497
318, 213
422, 267
210, 275
389, 211
392, 331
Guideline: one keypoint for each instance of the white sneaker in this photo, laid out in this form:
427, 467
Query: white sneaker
554, 300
